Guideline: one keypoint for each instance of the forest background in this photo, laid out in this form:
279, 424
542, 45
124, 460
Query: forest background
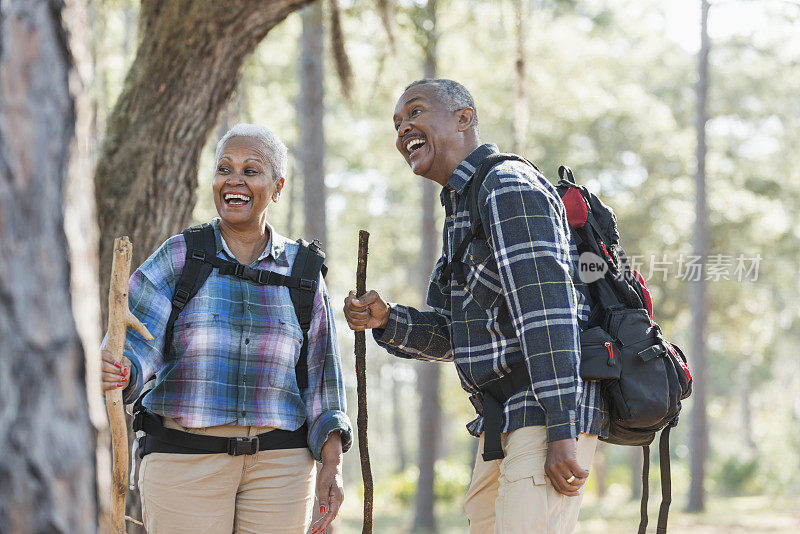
614, 88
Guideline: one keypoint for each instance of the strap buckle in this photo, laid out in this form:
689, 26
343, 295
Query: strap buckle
240, 446
308, 285
263, 276
181, 298
238, 270
198, 255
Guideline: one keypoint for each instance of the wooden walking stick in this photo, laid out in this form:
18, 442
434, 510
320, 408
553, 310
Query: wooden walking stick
361, 380
119, 319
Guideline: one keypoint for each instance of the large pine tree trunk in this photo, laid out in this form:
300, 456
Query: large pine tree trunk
186, 68
47, 466
311, 108
699, 299
430, 411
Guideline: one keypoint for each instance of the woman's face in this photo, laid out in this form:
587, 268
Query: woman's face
243, 182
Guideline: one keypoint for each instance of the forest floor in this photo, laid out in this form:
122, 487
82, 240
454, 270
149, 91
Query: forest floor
735, 515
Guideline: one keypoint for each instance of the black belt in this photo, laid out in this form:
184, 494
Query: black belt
489, 403
158, 438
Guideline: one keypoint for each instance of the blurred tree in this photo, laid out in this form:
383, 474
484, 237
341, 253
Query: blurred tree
428, 374
699, 299
311, 113
47, 463
186, 68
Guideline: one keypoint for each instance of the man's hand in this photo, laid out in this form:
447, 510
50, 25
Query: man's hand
561, 467
114, 375
330, 489
369, 311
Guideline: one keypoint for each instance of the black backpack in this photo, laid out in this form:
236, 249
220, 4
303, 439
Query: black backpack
644, 377
201, 259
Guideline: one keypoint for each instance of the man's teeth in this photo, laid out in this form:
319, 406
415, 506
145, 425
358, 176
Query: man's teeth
230, 196
414, 144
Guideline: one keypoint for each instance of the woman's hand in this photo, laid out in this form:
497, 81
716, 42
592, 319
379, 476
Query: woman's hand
114, 375
330, 490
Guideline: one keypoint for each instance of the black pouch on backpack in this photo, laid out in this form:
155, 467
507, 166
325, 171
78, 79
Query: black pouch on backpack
598, 355
643, 396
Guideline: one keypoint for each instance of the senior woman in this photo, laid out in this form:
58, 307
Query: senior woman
226, 372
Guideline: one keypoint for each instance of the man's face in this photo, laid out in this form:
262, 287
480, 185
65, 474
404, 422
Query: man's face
426, 132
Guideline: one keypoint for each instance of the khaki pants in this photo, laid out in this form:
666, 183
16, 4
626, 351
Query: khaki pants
268, 492
514, 496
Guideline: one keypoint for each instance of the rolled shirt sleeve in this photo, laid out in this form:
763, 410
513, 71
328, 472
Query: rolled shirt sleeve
325, 401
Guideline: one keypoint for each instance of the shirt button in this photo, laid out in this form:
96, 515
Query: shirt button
244, 413
244, 379
247, 341
248, 306
453, 216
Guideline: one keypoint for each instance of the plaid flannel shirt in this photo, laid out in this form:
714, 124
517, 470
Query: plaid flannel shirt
234, 349
528, 263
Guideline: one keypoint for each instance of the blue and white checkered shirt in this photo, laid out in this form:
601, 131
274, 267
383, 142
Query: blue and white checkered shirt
529, 261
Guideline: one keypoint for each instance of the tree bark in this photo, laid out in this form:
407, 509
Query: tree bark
430, 412
698, 436
311, 113
187, 66
47, 465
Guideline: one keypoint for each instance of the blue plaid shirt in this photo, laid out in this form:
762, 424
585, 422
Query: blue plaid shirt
528, 263
234, 348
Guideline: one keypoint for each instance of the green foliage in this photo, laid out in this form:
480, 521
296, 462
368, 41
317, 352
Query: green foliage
737, 476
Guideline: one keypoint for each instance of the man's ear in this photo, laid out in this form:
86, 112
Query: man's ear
465, 118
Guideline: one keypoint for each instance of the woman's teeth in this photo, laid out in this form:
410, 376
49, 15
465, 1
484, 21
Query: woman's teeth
235, 198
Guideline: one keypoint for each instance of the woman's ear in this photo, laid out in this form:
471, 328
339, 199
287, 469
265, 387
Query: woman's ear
278, 188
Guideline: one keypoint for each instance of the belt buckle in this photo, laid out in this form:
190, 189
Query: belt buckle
477, 402
240, 446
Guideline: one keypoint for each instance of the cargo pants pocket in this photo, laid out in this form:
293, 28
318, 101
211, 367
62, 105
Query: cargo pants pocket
525, 496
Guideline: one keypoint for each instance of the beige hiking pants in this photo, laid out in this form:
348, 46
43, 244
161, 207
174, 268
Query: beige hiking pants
514, 496
268, 492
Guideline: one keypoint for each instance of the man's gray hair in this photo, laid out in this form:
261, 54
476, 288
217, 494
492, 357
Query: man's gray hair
276, 150
452, 94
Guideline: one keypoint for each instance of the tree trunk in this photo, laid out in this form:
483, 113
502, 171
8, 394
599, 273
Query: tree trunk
430, 412
520, 121
187, 66
47, 465
311, 148
698, 437
312, 112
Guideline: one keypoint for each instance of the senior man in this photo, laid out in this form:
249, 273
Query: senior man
518, 312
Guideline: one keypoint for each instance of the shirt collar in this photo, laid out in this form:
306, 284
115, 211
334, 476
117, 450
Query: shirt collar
276, 246
463, 173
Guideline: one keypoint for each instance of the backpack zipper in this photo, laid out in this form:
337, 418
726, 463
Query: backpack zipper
610, 349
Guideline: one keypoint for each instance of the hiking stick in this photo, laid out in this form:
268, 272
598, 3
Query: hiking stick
119, 319
361, 380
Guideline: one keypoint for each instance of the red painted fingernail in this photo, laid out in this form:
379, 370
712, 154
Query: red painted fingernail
322, 509
125, 371
119, 385
118, 365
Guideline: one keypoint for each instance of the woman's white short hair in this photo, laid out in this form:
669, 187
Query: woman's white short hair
276, 150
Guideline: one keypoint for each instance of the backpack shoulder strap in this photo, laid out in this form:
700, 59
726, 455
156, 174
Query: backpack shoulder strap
308, 264
200, 244
476, 229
